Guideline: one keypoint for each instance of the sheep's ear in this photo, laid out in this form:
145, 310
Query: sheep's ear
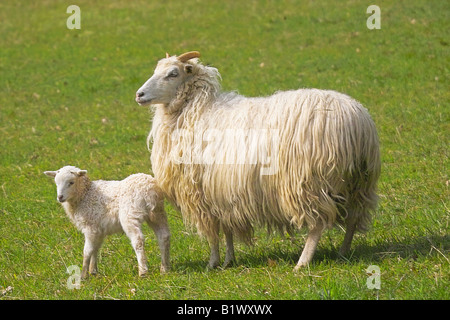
80, 173
188, 68
50, 173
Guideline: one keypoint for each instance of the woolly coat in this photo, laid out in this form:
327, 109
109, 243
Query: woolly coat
100, 204
305, 157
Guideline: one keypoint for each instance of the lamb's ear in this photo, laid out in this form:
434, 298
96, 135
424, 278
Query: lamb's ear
188, 68
50, 173
79, 172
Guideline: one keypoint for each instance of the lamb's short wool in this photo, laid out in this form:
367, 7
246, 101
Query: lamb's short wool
99, 208
297, 158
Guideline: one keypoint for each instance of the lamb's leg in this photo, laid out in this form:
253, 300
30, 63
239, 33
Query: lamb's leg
229, 255
213, 239
349, 231
94, 256
92, 244
87, 252
161, 229
310, 247
132, 228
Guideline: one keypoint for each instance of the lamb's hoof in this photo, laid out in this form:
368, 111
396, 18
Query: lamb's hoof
93, 272
85, 274
142, 273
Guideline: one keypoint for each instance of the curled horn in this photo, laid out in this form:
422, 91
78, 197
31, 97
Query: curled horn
188, 55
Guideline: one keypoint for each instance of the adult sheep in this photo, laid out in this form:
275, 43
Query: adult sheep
297, 158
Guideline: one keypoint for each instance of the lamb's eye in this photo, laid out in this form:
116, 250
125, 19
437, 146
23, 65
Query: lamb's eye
71, 183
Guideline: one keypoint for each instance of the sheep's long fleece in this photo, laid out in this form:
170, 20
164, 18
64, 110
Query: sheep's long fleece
322, 145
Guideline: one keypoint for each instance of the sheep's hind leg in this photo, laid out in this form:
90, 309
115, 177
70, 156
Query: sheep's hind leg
161, 229
349, 231
229, 255
92, 244
132, 229
310, 247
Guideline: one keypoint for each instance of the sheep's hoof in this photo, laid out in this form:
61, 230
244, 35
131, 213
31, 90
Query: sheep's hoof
212, 266
142, 273
300, 266
164, 269
229, 263
297, 269
85, 274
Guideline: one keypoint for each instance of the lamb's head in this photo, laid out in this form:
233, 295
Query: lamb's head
68, 182
169, 75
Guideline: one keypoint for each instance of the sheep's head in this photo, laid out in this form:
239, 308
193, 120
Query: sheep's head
67, 181
170, 73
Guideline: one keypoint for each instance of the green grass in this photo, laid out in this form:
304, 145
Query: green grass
67, 97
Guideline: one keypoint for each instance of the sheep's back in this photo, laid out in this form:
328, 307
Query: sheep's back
319, 140
106, 200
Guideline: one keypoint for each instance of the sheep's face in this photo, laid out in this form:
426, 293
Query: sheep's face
162, 87
66, 180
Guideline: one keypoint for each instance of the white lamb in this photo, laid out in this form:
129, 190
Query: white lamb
99, 208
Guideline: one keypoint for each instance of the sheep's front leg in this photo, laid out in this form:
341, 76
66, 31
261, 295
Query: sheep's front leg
132, 229
214, 258
92, 245
310, 247
229, 255
213, 239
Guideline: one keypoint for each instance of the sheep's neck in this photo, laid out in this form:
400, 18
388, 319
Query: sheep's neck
195, 94
82, 188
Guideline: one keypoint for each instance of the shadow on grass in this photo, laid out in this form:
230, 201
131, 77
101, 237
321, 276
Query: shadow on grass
410, 248
255, 257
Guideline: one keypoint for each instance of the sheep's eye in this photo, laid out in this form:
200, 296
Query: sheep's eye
173, 74
71, 183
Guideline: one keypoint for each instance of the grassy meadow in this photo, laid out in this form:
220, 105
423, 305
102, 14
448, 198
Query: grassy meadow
67, 97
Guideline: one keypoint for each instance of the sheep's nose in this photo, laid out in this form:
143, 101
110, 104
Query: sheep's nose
139, 94
60, 197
